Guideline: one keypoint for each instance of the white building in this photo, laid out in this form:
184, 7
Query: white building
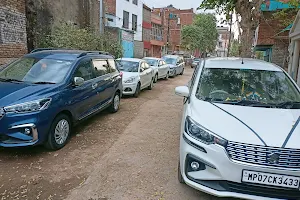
222, 42
129, 14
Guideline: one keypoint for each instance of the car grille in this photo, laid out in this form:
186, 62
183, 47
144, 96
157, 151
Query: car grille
262, 155
2, 113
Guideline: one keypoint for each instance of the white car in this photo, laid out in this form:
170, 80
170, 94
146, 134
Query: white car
137, 75
240, 132
160, 67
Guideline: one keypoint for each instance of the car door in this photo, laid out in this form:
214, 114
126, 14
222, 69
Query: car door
143, 75
82, 96
116, 78
160, 69
149, 73
102, 87
164, 68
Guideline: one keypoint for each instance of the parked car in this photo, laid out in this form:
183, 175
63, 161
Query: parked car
44, 93
196, 61
240, 131
137, 75
176, 64
160, 67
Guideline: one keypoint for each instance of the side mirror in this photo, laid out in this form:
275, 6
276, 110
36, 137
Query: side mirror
182, 91
78, 81
141, 70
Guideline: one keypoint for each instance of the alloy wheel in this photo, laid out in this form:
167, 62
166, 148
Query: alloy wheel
62, 131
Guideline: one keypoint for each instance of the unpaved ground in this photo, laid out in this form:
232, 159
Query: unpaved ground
132, 154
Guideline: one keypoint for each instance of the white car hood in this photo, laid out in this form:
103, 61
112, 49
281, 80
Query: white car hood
272, 125
127, 75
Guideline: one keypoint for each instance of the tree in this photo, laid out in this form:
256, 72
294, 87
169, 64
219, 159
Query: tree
250, 13
234, 48
202, 34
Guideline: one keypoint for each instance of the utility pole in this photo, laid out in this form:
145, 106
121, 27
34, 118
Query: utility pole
230, 31
168, 35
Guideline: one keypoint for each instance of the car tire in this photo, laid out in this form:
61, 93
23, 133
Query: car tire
167, 76
59, 132
137, 91
155, 78
182, 72
180, 178
150, 87
115, 105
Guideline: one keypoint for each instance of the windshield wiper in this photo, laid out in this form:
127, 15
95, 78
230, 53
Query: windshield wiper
10, 80
43, 83
289, 105
238, 102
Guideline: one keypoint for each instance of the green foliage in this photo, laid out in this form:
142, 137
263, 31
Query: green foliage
286, 16
221, 6
234, 49
202, 34
71, 37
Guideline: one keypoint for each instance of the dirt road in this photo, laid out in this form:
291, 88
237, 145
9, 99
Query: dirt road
132, 154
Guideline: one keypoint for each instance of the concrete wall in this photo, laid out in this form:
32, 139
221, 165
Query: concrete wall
13, 39
138, 49
42, 15
128, 6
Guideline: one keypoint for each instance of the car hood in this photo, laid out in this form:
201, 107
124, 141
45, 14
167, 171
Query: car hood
172, 66
12, 93
127, 75
271, 125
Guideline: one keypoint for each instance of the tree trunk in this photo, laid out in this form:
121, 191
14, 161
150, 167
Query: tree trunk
250, 14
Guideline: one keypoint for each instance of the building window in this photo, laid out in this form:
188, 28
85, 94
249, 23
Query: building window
134, 22
135, 2
125, 19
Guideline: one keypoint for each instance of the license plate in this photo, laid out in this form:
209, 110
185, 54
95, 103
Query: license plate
270, 179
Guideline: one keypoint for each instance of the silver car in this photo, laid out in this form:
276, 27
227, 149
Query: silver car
160, 67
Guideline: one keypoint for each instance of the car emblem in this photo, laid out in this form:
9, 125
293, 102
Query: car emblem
2, 113
274, 158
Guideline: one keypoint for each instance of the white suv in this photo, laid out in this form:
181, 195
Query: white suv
240, 132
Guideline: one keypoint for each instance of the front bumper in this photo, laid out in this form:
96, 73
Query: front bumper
222, 177
172, 72
129, 88
13, 129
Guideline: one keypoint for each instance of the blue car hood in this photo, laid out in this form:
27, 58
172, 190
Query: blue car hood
11, 93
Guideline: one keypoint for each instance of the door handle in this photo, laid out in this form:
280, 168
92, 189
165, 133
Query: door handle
94, 86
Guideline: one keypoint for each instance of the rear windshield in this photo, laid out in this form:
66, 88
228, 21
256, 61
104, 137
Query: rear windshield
225, 85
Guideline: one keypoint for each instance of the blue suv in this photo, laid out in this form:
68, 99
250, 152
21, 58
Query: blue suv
45, 93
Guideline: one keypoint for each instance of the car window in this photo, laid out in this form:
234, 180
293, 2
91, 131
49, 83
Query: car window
268, 87
112, 65
101, 67
84, 70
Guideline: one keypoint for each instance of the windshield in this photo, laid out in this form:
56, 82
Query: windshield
34, 70
233, 85
171, 61
151, 62
128, 66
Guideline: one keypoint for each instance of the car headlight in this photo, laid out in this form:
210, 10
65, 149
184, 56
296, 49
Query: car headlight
200, 133
31, 106
130, 80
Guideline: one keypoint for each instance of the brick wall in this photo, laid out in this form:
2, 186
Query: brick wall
13, 39
110, 6
280, 53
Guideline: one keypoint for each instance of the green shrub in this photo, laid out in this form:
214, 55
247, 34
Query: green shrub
71, 37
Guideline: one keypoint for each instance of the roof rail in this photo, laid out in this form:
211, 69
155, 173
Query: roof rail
42, 49
93, 53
